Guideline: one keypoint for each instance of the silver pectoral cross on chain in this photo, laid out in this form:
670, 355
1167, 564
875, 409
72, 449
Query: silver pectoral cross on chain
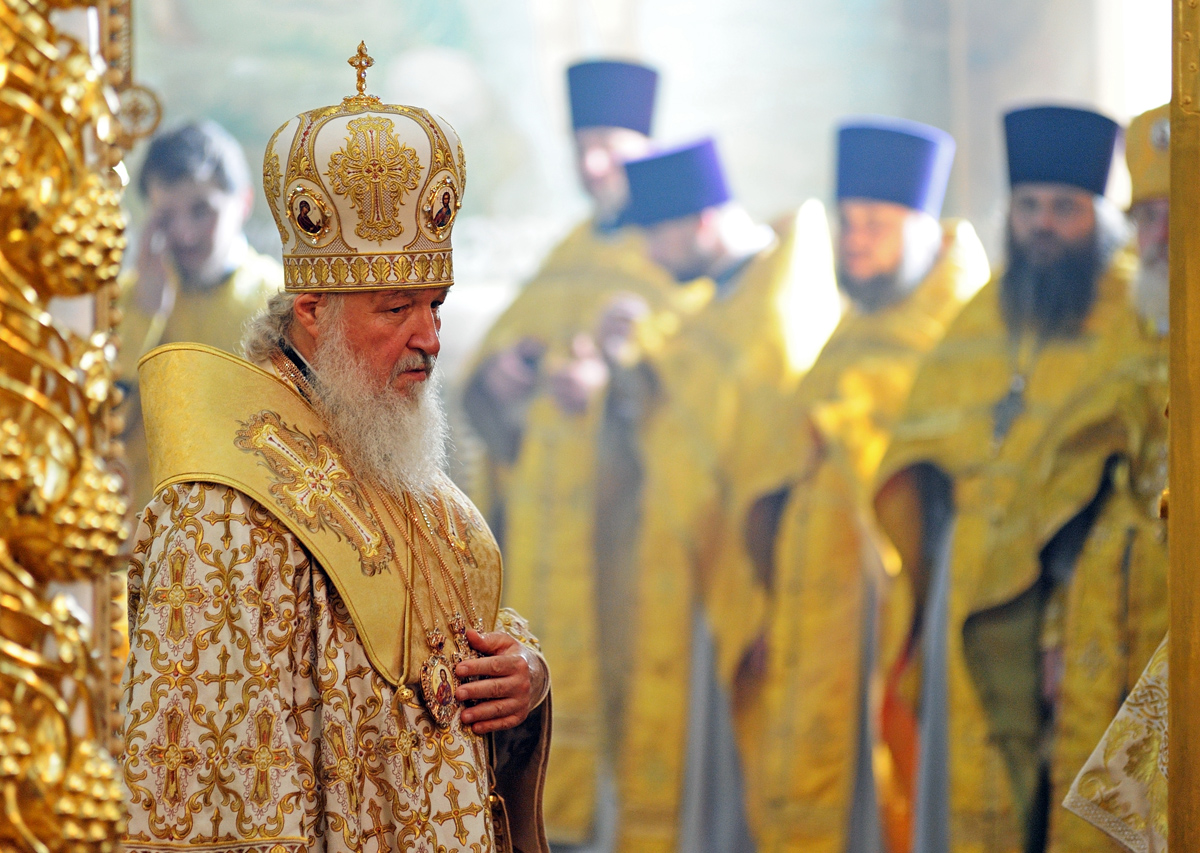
1010, 407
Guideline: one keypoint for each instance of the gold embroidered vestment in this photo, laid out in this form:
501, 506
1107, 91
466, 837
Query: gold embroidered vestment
1012, 494
1123, 787
274, 651
725, 370
550, 499
798, 723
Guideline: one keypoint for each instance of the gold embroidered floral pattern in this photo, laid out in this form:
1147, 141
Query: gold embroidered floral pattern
173, 756
272, 175
314, 486
375, 170
309, 748
262, 758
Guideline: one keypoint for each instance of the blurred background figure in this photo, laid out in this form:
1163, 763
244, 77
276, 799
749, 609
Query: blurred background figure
680, 783
559, 482
612, 109
1147, 151
1122, 789
196, 277
612, 112
1000, 468
805, 536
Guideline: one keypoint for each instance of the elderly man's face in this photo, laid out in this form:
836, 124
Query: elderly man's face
1048, 219
396, 333
1152, 218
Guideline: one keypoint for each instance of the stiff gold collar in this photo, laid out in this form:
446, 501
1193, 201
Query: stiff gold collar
214, 418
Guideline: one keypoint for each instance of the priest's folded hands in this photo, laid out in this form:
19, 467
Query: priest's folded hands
505, 684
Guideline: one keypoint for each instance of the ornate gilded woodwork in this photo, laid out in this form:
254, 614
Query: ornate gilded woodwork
62, 500
1184, 655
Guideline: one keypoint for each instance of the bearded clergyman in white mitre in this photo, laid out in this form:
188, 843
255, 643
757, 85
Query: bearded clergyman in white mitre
318, 657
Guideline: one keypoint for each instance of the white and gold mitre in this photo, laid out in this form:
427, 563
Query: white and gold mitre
365, 194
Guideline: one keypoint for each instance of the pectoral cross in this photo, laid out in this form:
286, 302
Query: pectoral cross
1010, 407
457, 814
360, 62
458, 627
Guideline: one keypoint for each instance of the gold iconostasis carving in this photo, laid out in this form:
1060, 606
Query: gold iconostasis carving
68, 112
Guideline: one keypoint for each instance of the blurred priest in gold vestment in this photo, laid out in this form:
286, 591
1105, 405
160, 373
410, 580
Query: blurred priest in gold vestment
806, 535
709, 388
1027, 570
196, 279
559, 478
542, 350
1122, 790
319, 657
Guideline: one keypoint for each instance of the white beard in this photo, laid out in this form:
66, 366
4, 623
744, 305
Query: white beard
1151, 293
396, 439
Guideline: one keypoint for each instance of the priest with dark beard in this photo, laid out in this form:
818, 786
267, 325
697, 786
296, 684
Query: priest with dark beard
988, 493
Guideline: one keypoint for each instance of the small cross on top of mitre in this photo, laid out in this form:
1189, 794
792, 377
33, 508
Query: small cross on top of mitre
360, 62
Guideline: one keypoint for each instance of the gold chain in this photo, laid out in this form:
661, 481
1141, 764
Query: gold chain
458, 546
412, 594
449, 530
464, 596
421, 564
291, 372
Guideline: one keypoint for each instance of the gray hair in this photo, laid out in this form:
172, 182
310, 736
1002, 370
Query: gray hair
272, 326
269, 328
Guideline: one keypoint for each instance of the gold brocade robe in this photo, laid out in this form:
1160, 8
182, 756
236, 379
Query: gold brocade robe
1115, 611
798, 725
566, 298
214, 317
1010, 497
1122, 790
549, 501
574, 285
728, 367
272, 692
